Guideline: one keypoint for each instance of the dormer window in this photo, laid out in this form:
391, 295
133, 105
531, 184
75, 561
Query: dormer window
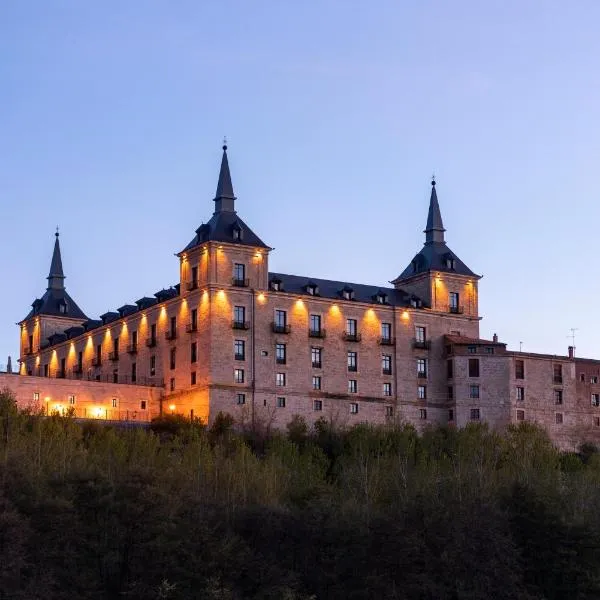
312, 289
348, 293
276, 285
62, 308
236, 232
414, 266
381, 298
449, 263
415, 302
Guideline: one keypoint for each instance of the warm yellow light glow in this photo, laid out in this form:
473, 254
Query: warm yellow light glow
97, 412
172, 407
37, 361
221, 293
107, 333
261, 297
184, 257
299, 303
335, 308
405, 315
163, 310
47, 398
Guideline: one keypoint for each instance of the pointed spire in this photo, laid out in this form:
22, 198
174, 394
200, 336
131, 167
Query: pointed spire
56, 278
224, 198
434, 231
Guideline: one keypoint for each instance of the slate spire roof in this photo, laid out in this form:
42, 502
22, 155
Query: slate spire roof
56, 301
434, 230
225, 225
435, 254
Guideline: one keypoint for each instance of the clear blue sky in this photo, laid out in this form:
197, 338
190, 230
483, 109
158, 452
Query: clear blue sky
112, 115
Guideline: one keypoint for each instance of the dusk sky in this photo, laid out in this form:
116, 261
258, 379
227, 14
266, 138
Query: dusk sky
112, 116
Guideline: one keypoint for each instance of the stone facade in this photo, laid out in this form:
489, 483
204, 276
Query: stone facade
232, 337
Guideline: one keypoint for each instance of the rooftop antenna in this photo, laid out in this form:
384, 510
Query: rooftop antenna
520, 346
572, 336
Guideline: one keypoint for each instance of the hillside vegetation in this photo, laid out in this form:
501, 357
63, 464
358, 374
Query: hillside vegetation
181, 511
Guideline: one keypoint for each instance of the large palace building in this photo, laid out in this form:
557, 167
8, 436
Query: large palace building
233, 337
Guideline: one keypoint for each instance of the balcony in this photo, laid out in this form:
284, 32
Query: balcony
352, 368
421, 344
132, 349
239, 357
316, 333
457, 310
422, 374
387, 341
192, 285
240, 324
96, 361
151, 342
114, 355
28, 351
316, 364
280, 361
352, 337
171, 334
386, 371
191, 327
280, 328
558, 379
235, 282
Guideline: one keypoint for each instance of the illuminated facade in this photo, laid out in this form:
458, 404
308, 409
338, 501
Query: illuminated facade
233, 337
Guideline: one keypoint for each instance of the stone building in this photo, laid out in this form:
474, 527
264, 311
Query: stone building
231, 336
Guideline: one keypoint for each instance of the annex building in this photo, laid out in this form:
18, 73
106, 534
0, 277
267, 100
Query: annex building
231, 336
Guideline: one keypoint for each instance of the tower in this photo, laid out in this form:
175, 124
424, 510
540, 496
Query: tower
54, 312
437, 275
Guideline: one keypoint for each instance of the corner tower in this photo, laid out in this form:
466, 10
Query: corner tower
436, 274
54, 312
225, 251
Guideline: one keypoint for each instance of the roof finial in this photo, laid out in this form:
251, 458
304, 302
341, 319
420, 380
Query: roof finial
224, 142
57, 232
434, 230
433, 179
224, 198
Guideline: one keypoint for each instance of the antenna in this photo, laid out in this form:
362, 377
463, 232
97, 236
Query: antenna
572, 336
520, 346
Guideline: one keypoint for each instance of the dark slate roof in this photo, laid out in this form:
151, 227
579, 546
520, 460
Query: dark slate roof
127, 309
221, 227
167, 294
49, 304
109, 317
297, 284
432, 257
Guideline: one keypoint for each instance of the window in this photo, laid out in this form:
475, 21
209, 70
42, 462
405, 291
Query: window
280, 402
152, 366
450, 393
36, 396
489, 350
387, 389
280, 318
386, 364
351, 327
115, 375
193, 352
194, 319
99, 354
453, 299
316, 355
280, 354
472, 349
423, 414
352, 386
280, 380
449, 263
381, 298
420, 334
558, 396
316, 382
519, 369
238, 375
353, 408
473, 367
80, 361
239, 349
71, 400
195, 276
239, 315
133, 372
239, 273
115, 403
193, 378
173, 328
520, 394
558, 418
520, 415
596, 421
386, 332
240, 398
153, 333
236, 233
312, 289
46, 370
422, 392
142, 405
475, 414
315, 323
474, 391
450, 414
594, 379
422, 367
134, 340
317, 405
450, 369
172, 356
595, 399
348, 294
276, 285
172, 384
558, 374
352, 361
582, 377
389, 411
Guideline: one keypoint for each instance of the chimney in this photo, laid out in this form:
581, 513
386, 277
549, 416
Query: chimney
495, 338
571, 351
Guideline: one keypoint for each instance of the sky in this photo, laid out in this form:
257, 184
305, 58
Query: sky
113, 112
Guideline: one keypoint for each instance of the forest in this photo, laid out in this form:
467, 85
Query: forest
179, 511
